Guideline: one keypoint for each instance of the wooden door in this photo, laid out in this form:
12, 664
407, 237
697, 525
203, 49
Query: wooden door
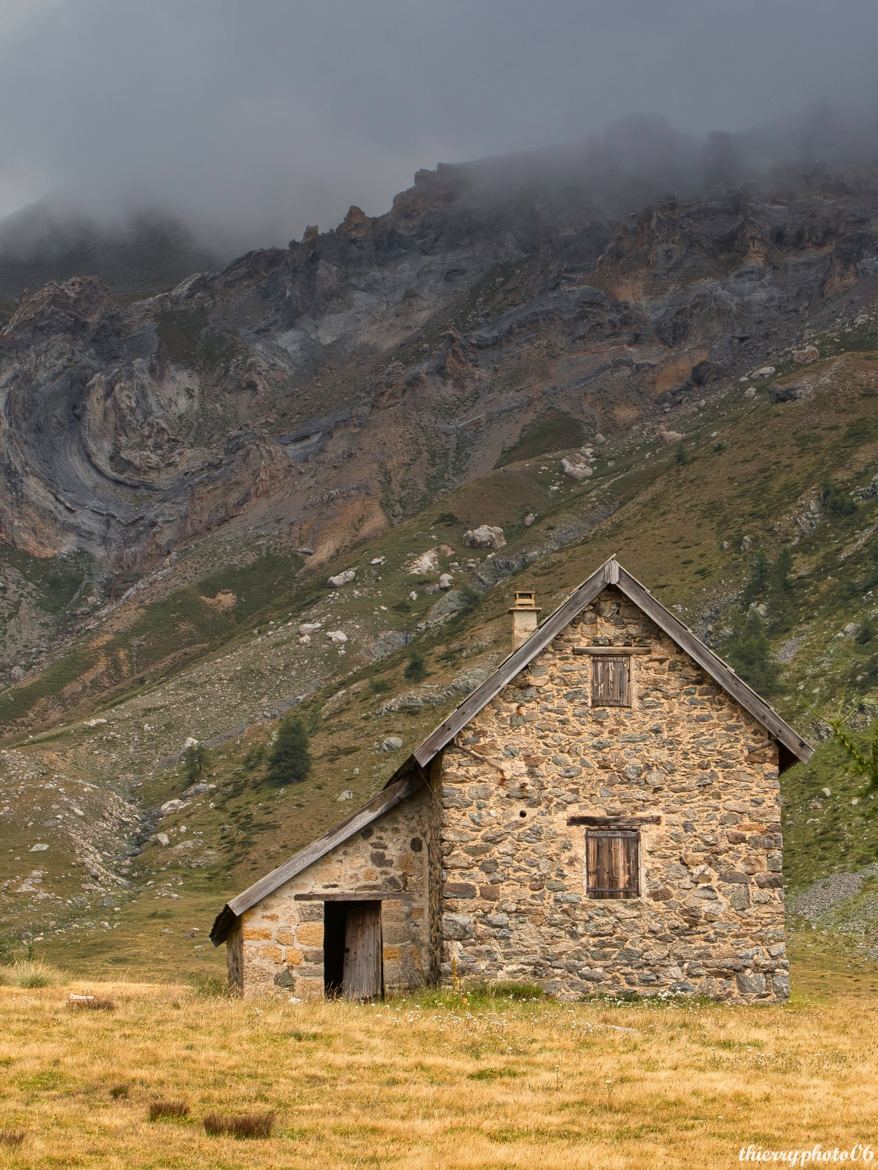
363, 974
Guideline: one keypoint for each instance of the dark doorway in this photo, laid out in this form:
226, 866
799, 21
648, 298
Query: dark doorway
352, 950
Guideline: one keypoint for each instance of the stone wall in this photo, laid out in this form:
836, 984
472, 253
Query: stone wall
282, 938
710, 919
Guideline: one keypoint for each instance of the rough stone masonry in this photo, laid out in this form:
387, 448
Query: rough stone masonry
710, 918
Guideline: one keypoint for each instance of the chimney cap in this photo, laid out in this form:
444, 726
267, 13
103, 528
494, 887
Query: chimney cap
525, 599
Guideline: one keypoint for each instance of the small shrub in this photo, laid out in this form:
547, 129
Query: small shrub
161, 1109
681, 455
92, 1003
866, 632
239, 1125
470, 599
11, 1138
119, 1092
379, 686
194, 762
835, 501
415, 670
290, 759
254, 757
447, 518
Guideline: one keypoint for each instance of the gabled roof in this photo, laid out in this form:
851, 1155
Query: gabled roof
409, 777
612, 573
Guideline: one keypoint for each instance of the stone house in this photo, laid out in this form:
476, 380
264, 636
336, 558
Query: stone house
601, 815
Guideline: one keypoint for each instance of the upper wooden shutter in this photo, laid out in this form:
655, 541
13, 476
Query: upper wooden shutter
612, 863
611, 681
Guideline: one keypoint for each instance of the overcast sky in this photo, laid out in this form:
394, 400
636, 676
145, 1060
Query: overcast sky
265, 115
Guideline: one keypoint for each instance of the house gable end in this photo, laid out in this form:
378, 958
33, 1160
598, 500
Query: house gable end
794, 747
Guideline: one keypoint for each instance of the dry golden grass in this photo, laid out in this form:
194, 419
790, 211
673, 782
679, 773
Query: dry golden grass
435, 1081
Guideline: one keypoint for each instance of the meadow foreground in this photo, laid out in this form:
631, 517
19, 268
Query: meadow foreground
435, 1081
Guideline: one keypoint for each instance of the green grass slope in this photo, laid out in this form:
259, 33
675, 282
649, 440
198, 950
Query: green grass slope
219, 655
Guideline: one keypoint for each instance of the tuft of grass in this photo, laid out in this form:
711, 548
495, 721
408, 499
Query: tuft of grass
120, 1092
92, 1003
212, 987
507, 989
239, 1125
158, 1110
11, 1138
29, 973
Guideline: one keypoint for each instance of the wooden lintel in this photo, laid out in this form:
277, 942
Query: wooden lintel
623, 822
612, 651
352, 896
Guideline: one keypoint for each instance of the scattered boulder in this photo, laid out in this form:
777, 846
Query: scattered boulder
338, 636
40, 847
671, 436
787, 393
310, 627
529, 519
425, 562
392, 744
446, 581
162, 839
345, 795
808, 353
171, 806
485, 536
577, 467
94, 722
341, 579
869, 492
750, 392
763, 372
305, 551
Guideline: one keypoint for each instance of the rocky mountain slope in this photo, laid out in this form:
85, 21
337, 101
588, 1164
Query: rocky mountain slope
180, 478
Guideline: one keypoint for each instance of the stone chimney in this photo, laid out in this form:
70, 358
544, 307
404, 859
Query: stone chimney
524, 618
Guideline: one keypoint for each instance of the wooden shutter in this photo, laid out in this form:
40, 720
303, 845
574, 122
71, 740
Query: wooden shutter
611, 682
612, 859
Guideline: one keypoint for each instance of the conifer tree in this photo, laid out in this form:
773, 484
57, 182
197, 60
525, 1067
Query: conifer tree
749, 652
290, 759
415, 670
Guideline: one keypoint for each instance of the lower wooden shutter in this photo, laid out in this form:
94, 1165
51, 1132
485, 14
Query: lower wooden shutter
612, 863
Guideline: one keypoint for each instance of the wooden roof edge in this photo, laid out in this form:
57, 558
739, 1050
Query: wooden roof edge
383, 801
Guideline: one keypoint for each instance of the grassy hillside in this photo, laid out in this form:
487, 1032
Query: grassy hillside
212, 648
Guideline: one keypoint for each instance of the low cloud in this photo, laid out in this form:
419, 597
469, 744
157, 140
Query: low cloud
252, 118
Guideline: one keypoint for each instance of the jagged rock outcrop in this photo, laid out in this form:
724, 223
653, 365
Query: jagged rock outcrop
354, 373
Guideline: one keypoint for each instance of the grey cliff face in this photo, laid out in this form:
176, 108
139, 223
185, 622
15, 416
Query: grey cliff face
396, 356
